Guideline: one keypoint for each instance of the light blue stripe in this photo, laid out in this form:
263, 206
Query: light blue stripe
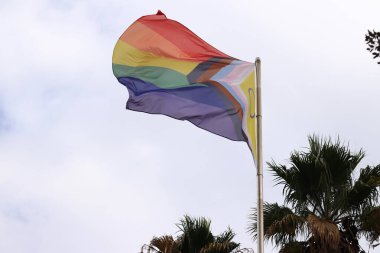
224, 72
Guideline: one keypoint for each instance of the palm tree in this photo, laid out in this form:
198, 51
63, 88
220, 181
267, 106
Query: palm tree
325, 208
195, 237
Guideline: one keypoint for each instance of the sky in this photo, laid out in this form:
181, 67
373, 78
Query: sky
79, 173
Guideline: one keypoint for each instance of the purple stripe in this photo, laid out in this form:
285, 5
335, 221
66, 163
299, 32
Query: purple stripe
213, 119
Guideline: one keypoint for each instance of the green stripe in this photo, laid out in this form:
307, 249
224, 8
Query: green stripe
159, 76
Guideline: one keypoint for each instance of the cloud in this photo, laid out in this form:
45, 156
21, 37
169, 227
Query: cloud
5, 124
81, 174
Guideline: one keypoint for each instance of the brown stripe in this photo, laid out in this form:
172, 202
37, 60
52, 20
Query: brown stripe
231, 98
215, 67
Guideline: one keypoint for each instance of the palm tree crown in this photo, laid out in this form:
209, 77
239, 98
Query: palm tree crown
325, 208
195, 237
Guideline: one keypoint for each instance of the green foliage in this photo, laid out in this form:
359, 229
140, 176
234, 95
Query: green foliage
195, 237
196, 234
325, 208
280, 223
373, 42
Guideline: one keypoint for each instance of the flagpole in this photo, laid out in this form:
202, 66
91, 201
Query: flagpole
259, 162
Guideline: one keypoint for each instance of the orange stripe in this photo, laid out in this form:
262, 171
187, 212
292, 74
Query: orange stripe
142, 37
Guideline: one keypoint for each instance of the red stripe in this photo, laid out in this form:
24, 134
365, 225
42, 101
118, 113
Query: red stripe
182, 37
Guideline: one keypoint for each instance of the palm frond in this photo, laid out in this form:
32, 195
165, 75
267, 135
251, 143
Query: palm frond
370, 224
196, 234
335, 159
196, 237
217, 247
294, 247
325, 233
293, 188
349, 236
166, 244
281, 225
365, 191
320, 189
226, 236
317, 178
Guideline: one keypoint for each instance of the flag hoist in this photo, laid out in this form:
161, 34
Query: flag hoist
169, 70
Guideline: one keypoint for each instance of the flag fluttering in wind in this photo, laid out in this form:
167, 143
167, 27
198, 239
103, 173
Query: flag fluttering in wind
169, 70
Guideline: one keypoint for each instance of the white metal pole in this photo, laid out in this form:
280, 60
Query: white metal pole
259, 162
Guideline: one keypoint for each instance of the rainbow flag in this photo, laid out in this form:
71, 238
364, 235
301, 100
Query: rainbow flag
169, 70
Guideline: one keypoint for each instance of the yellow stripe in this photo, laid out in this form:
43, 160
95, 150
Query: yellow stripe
126, 54
248, 83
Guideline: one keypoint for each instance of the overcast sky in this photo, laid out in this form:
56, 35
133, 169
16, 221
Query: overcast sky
79, 173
